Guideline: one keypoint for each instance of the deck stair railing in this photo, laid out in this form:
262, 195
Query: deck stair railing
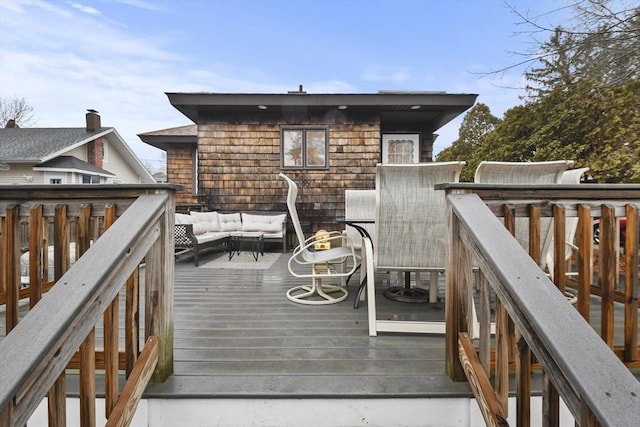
120, 231
537, 329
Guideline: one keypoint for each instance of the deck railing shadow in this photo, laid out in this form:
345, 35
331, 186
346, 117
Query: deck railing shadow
535, 325
116, 229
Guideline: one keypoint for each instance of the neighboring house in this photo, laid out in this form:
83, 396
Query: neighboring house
230, 159
160, 177
88, 155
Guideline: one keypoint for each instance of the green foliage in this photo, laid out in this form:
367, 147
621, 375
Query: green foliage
598, 127
584, 104
477, 123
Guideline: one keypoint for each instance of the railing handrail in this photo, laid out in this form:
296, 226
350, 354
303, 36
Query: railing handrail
38, 349
567, 347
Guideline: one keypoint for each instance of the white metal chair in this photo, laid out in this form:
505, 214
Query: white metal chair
325, 264
410, 231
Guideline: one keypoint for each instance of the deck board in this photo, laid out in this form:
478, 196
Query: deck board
236, 335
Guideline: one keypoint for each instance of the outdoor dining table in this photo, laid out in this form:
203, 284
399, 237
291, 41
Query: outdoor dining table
358, 225
401, 293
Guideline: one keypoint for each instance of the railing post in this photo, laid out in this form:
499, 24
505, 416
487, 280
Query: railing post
585, 260
608, 270
36, 249
11, 248
559, 227
159, 272
454, 301
632, 288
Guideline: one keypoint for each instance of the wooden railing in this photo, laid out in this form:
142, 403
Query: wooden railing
536, 327
119, 231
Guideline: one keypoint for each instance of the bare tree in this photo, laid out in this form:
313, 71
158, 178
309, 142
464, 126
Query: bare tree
598, 39
16, 109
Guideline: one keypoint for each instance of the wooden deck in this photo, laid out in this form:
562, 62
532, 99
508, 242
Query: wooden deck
236, 335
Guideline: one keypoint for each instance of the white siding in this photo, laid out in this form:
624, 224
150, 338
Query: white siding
78, 152
117, 166
21, 174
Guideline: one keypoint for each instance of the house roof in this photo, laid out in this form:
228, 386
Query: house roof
431, 110
161, 138
37, 145
42, 144
72, 163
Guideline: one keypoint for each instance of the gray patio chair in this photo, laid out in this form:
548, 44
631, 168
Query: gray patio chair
359, 205
322, 265
571, 176
549, 172
410, 232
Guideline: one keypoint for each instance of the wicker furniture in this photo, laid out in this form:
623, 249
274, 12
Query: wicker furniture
197, 231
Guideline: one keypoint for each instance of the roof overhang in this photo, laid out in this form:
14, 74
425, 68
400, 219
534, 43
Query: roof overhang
184, 135
430, 110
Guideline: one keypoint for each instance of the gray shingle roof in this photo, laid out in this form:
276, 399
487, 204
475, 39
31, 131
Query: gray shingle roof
36, 144
70, 162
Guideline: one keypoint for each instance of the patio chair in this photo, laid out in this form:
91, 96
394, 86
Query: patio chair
410, 232
549, 172
571, 176
321, 265
359, 205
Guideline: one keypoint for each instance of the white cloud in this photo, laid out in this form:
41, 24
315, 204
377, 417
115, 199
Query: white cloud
82, 8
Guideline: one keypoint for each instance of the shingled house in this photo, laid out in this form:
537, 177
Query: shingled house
230, 158
84, 155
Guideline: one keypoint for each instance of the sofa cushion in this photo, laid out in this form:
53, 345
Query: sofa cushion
230, 222
208, 220
264, 223
184, 219
211, 236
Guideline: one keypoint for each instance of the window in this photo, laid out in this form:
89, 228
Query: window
54, 178
90, 179
304, 148
400, 148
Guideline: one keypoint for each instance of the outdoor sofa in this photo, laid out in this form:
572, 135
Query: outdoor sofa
197, 231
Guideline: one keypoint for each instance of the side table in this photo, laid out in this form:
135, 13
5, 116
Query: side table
252, 241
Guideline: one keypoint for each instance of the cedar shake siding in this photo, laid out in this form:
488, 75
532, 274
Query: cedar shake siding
180, 167
238, 140
239, 166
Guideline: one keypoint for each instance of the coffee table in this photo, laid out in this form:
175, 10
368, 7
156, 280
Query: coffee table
253, 242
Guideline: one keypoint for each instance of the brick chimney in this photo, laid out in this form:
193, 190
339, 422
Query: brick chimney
95, 148
93, 120
11, 124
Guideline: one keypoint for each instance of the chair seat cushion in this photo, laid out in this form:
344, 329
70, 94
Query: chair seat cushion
211, 236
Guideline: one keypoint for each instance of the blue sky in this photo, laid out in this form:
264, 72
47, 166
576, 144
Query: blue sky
121, 56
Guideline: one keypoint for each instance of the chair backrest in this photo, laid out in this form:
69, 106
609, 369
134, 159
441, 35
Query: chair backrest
571, 176
359, 204
291, 206
521, 172
411, 221
549, 172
